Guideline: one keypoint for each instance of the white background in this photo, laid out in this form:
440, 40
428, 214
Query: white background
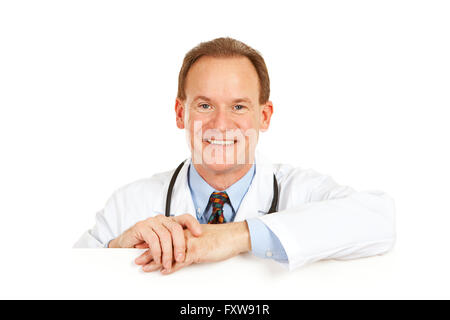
87, 92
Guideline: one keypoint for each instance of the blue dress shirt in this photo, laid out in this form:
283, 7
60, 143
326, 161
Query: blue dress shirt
264, 242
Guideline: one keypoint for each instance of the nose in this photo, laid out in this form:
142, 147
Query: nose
221, 120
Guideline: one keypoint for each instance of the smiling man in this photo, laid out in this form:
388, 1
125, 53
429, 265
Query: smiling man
227, 199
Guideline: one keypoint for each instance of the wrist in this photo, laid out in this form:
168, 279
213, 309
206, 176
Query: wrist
242, 237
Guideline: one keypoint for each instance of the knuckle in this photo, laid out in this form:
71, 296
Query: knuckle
176, 227
151, 222
164, 235
139, 225
181, 250
154, 239
186, 217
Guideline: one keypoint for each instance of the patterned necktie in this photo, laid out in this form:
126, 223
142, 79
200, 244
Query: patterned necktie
217, 199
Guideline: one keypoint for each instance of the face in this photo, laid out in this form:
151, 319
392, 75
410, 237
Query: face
221, 113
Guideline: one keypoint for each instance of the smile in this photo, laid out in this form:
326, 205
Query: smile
221, 142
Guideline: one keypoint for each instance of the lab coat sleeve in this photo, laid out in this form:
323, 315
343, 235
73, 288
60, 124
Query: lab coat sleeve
106, 227
128, 205
335, 223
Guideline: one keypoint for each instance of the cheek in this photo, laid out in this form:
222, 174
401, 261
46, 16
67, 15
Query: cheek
249, 123
252, 131
196, 124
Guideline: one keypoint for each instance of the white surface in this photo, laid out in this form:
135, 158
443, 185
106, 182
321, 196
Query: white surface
102, 273
248, 277
87, 87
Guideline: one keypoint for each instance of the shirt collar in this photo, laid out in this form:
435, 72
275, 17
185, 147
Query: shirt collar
201, 190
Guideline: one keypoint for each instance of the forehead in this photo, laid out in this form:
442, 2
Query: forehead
222, 78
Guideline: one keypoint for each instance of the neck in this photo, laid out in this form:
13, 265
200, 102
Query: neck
222, 180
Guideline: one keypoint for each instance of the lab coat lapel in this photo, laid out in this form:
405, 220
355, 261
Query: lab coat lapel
258, 198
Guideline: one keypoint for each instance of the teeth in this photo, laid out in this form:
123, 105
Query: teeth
221, 142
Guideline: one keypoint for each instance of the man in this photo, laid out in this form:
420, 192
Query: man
223, 196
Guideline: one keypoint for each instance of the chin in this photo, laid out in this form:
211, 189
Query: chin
220, 167
219, 164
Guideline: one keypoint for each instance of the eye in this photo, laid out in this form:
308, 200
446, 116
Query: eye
204, 106
239, 107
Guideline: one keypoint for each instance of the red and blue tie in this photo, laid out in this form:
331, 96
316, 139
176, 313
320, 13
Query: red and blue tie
217, 200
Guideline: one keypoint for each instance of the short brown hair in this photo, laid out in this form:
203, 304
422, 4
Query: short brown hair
226, 47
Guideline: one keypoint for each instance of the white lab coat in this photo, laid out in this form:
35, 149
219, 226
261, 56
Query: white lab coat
316, 219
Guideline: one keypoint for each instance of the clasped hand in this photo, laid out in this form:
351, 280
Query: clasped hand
176, 242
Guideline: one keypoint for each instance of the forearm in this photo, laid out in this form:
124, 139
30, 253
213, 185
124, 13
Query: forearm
240, 236
219, 242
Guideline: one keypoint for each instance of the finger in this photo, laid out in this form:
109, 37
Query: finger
178, 240
175, 267
142, 245
152, 266
188, 221
179, 265
144, 232
144, 258
152, 240
165, 240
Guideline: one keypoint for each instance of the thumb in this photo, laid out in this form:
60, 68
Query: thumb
188, 221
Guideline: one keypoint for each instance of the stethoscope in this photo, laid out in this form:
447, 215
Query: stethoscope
273, 206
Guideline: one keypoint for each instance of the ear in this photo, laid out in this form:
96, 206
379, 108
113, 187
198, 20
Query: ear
179, 112
266, 115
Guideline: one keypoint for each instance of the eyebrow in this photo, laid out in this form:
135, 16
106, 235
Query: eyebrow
244, 99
